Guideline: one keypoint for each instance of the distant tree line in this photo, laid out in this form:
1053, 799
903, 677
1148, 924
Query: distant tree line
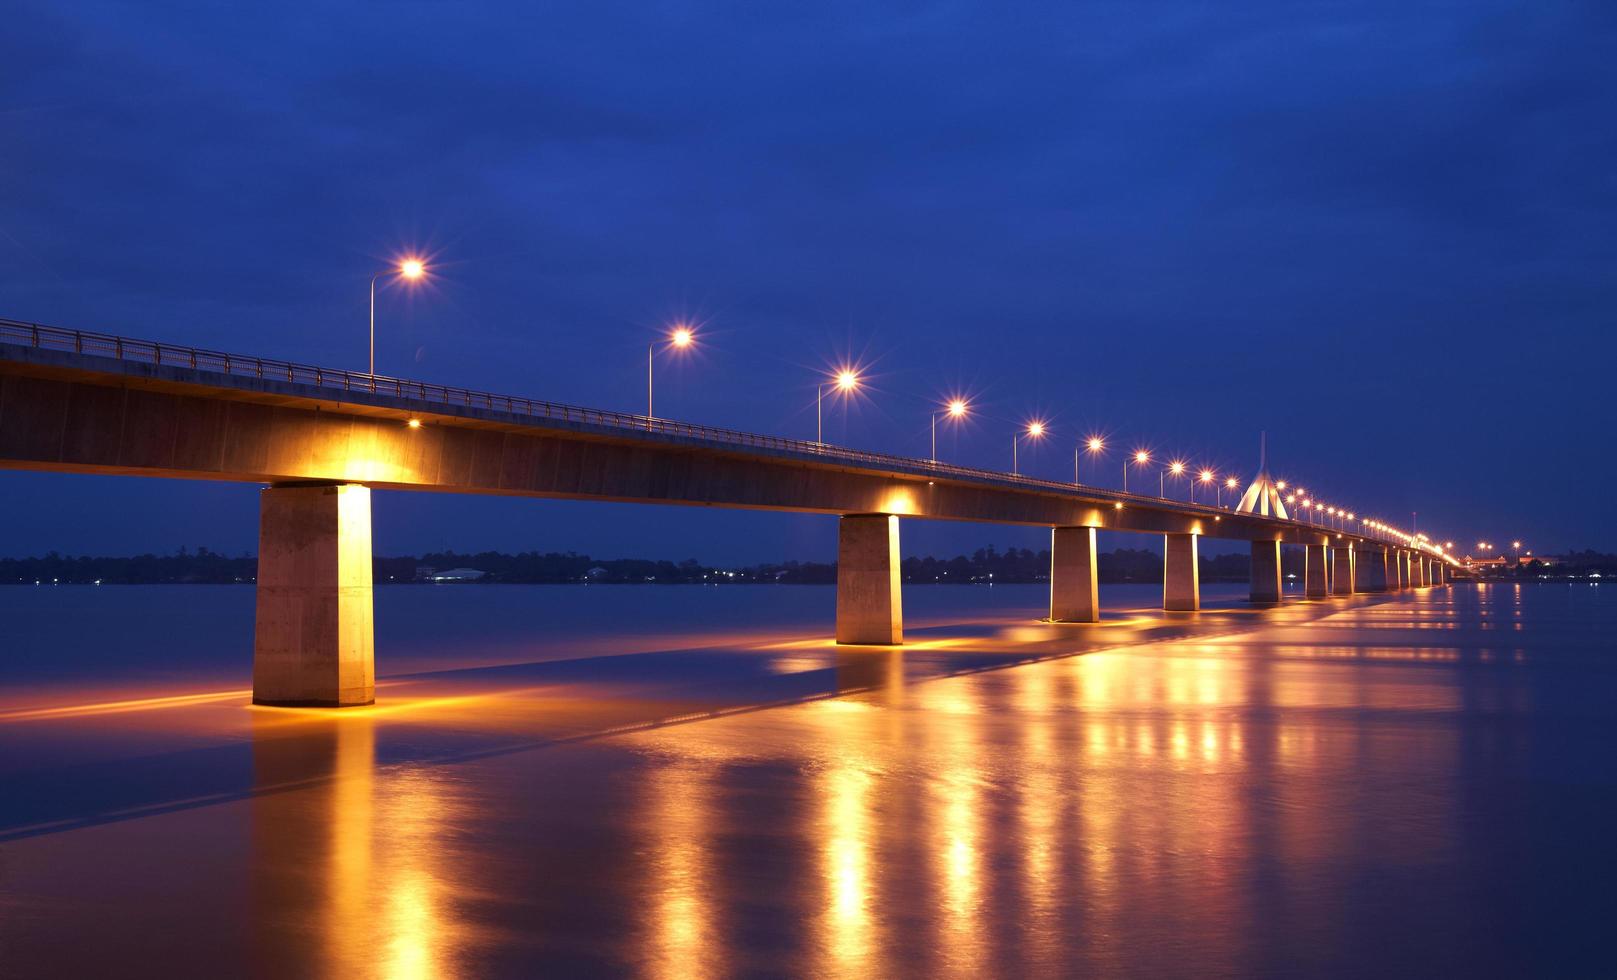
983, 566
1014, 565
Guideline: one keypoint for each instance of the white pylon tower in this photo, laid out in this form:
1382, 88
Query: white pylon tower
1263, 497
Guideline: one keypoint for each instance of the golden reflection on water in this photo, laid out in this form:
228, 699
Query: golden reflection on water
349, 858
1039, 811
350, 819
680, 935
1028, 820
955, 802
845, 790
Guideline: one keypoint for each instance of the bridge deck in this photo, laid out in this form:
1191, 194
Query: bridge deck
71, 400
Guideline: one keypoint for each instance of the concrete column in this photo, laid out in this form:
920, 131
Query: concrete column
1181, 574
1423, 577
1372, 570
1399, 573
1440, 573
1074, 589
1342, 578
1315, 583
314, 636
1265, 571
869, 609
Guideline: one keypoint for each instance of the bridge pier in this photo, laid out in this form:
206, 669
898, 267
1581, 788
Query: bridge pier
1074, 588
869, 607
1425, 577
1372, 571
1265, 571
1439, 573
1316, 582
1342, 574
314, 633
1181, 574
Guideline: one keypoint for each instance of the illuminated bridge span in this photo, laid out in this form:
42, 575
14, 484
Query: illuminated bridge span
319, 438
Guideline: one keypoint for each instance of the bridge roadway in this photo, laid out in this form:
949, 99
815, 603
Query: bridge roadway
73, 401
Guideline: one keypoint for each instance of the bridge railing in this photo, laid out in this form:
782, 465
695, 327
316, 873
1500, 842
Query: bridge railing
201, 359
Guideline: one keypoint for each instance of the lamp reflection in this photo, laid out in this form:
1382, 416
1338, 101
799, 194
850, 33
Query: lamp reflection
955, 837
845, 792
681, 936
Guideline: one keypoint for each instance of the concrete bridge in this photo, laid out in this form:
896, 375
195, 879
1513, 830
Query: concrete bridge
319, 439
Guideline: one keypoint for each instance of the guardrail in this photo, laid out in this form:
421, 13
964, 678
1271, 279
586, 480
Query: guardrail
152, 352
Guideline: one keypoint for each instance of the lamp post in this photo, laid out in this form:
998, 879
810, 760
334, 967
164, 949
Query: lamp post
680, 338
1205, 476
956, 409
1094, 447
1177, 468
1229, 484
845, 380
407, 269
1034, 430
1140, 458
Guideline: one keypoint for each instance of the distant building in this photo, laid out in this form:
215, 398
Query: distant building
595, 574
424, 573
458, 575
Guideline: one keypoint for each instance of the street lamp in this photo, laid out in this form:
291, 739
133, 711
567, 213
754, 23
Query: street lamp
679, 338
1178, 469
1140, 459
1205, 476
1229, 485
956, 409
1034, 430
845, 380
409, 270
1095, 446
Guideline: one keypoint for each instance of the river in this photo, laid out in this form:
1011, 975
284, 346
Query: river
681, 781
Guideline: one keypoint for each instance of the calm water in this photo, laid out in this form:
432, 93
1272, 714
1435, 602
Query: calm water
686, 781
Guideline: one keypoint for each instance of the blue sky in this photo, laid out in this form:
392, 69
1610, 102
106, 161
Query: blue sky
1380, 231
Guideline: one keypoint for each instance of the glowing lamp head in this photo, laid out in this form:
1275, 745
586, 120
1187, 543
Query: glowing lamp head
957, 408
1206, 476
1177, 467
1280, 484
1515, 544
847, 380
414, 423
1230, 483
681, 337
1035, 429
1095, 445
412, 268
1142, 457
